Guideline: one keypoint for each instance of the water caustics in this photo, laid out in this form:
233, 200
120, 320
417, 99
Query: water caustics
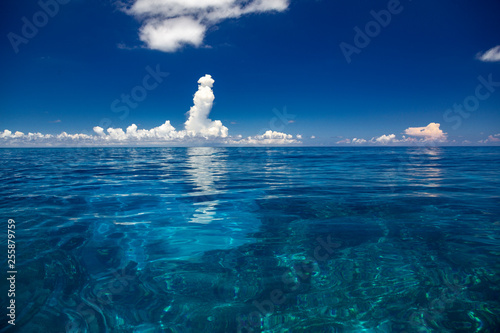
255, 239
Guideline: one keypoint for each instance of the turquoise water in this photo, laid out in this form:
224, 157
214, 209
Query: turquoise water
253, 239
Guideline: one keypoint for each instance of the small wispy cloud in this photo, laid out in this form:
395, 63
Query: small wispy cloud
55, 121
491, 55
268, 138
490, 139
123, 46
168, 25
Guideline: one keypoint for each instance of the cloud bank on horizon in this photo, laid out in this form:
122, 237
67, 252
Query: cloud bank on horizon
168, 25
198, 129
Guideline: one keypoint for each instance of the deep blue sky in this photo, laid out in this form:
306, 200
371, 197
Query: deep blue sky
66, 77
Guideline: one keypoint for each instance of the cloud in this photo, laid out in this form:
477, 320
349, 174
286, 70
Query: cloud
6, 134
165, 132
268, 138
171, 35
198, 122
358, 141
168, 25
491, 55
385, 139
431, 132
490, 139
198, 129
21, 139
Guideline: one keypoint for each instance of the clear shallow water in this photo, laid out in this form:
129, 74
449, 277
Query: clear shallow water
254, 239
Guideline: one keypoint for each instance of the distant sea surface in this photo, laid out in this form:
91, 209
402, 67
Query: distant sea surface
147, 240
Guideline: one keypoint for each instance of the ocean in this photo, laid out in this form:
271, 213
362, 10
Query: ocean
296, 239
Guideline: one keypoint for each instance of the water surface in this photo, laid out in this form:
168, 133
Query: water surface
254, 239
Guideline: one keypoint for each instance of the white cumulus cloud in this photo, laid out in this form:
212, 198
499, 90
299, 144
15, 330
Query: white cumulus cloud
198, 122
431, 132
165, 132
385, 139
168, 25
491, 55
170, 35
6, 134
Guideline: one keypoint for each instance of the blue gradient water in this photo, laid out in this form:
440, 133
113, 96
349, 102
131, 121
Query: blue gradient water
254, 239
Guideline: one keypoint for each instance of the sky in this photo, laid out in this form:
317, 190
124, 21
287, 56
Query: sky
255, 72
